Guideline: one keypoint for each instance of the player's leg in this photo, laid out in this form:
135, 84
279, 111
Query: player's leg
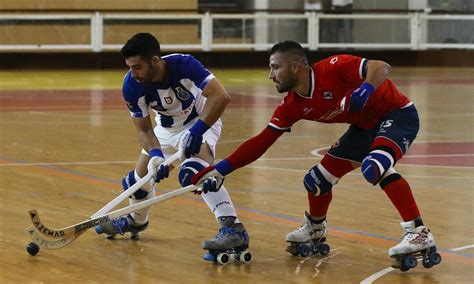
319, 181
135, 221
395, 135
232, 233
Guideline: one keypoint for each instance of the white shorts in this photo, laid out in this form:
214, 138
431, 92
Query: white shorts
171, 138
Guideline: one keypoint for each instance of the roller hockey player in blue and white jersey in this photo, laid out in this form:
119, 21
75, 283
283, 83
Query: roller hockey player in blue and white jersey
188, 101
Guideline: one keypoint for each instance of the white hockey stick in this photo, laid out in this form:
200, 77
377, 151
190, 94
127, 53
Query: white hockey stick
124, 195
68, 234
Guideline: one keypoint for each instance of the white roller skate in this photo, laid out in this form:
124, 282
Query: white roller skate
121, 226
308, 239
417, 243
230, 244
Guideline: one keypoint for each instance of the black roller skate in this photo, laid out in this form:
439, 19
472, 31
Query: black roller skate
230, 244
417, 244
308, 239
121, 226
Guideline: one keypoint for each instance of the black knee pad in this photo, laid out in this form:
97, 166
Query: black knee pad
127, 181
189, 168
316, 183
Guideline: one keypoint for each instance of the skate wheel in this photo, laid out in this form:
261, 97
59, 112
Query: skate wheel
223, 258
245, 257
324, 249
410, 261
435, 258
292, 249
427, 264
404, 268
304, 250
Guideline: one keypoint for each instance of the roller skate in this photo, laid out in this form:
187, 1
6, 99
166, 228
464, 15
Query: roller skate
230, 244
308, 239
416, 244
121, 226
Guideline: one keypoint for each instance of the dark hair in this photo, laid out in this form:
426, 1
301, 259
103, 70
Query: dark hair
143, 44
292, 47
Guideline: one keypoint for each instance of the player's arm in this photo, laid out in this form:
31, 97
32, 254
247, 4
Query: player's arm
146, 136
150, 143
375, 72
248, 152
217, 100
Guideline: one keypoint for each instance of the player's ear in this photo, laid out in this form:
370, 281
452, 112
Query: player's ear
295, 67
155, 60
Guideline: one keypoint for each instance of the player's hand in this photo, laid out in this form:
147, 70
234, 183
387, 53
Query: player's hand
209, 179
192, 140
156, 167
360, 96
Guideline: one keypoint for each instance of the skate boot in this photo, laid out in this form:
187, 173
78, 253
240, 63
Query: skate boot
417, 243
308, 239
121, 226
230, 244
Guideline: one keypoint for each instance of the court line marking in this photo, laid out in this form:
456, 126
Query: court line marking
387, 270
462, 248
377, 275
23, 164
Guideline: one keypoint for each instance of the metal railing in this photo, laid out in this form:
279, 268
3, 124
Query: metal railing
255, 30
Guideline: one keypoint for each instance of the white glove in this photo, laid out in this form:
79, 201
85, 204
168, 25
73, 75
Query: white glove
156, 159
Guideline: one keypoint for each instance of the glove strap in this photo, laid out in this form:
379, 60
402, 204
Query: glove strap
224, 167
156, 153
199, 127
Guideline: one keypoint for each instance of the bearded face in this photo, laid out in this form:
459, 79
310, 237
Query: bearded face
280, 72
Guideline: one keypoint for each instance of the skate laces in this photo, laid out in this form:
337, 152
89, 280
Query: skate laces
223, 231
119, 225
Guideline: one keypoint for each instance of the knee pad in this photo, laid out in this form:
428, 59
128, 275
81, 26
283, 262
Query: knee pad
375, 165
315, 181
130, 179
189, 168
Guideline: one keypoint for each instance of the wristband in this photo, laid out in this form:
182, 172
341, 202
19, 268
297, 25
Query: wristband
199, 127
156, 153
224, 167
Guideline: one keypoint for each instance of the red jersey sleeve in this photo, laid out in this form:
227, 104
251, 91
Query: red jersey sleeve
284, 115
253, 148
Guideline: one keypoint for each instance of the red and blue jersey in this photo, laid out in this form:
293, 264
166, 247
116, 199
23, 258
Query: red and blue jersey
332, 81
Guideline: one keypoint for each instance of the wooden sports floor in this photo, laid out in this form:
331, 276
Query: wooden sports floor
66, 139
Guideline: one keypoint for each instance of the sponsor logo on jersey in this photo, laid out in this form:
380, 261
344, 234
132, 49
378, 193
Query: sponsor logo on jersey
307, 110
182, 94
333, 60
327, 95
331, 114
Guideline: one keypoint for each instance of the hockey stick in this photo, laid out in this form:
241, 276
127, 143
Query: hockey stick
117, 200
68, 234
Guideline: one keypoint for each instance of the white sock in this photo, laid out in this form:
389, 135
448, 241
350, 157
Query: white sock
220, 203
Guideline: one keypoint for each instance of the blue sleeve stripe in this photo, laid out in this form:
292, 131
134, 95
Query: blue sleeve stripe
204, 83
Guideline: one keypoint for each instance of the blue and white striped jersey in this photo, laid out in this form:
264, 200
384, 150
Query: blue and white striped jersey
177, 100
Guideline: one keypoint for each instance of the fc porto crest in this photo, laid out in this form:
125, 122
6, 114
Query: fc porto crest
182, 94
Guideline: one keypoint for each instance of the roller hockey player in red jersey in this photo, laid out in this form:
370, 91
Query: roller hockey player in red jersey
382, 125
